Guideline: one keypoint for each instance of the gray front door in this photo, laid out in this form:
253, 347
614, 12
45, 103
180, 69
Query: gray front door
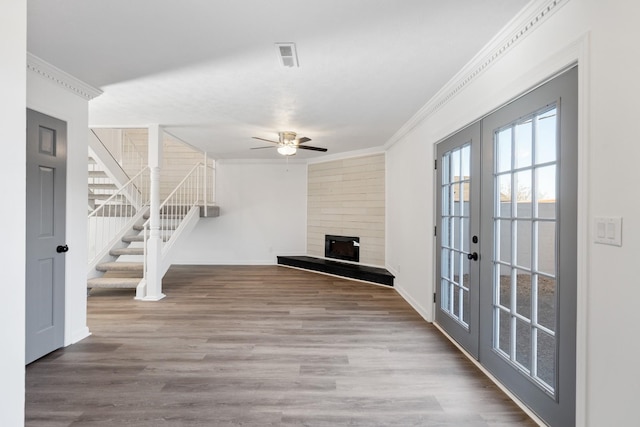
45, 235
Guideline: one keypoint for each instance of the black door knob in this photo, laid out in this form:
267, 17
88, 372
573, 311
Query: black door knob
473, 256
60, 249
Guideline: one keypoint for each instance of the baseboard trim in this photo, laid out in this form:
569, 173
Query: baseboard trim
79, 336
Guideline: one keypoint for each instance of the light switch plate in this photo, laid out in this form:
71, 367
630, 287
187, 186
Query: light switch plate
608, 230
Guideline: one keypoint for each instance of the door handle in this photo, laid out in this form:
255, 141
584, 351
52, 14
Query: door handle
473, 256
61, 249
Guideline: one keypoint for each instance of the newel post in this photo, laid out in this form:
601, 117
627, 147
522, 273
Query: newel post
205, 188
154, 242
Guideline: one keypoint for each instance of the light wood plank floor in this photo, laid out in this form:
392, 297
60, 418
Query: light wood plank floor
261, 346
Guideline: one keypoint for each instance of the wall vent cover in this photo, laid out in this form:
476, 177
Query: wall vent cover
287, 54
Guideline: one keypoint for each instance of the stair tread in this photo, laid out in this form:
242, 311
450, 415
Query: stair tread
97, 174
167, 216
99, 196
120, 266
103, 186
113, 282
133, 238
126, 251
166, 227
140, 238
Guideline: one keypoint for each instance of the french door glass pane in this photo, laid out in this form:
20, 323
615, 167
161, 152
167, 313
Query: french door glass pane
523, 294
547, 247
524, 255
503, 240
546, 192
546, 361
504, 190
523, 343
502, 340
523, 150
523, 243
546, 136
455, 166
546, 302
504, 288
523, 193
465, 164
464, 229
503, 150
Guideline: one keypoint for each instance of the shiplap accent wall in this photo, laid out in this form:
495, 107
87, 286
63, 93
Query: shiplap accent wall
177, 158
347, 198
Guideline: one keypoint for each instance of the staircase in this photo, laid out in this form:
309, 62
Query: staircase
125, 270
127, 247
119, 260
101, 186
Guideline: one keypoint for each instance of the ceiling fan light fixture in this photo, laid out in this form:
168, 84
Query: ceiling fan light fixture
287, 150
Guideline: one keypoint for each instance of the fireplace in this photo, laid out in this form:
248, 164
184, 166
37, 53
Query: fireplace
342, 247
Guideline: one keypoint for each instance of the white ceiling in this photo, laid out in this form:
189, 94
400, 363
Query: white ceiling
207, 70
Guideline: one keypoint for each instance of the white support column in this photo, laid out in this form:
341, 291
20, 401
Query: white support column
154, 243
205, 185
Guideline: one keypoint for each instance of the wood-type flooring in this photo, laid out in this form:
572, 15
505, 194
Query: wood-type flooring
261, 346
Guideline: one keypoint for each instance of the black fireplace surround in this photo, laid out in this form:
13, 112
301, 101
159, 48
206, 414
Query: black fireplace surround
342, 247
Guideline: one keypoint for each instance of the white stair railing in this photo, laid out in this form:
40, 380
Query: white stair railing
115, 215
177, 205
183, 203
132, 158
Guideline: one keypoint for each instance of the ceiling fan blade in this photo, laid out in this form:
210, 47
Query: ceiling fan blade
268, 140
303, 140
260, 148
309, 147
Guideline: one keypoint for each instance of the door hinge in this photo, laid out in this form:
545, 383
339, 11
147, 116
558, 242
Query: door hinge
435, 164
435, 230
434, 297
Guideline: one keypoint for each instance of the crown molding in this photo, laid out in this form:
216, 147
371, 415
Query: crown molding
61, 78
514, 32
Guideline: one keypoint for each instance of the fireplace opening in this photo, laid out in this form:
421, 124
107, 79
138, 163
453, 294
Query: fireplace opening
342, 247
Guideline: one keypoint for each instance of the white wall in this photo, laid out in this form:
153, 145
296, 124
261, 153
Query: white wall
409, 219
607, 37
47, 97
13, 75
263, 210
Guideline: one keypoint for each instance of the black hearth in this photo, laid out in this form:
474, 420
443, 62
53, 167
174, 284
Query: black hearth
352, 271
342, 247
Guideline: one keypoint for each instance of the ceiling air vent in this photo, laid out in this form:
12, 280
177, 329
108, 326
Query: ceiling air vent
287, 54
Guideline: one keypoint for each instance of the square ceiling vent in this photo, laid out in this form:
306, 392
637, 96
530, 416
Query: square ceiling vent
287, 54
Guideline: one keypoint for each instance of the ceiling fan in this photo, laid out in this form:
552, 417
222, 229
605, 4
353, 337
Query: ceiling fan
288, 144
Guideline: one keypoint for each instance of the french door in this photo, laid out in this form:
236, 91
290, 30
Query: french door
458, 272
516, 285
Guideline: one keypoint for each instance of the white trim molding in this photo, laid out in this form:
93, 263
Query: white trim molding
61, 78
515, 31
